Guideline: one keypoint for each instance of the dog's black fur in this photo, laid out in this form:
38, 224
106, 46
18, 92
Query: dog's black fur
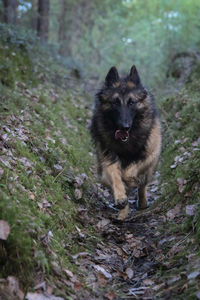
106, 121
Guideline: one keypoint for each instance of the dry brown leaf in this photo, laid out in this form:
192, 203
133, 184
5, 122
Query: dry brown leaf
77, 286
4, 230
129, 273
102, 280
148, 282
69, 273
32, 196
41, 285
102, 223
78, 194
172, 213
110, 295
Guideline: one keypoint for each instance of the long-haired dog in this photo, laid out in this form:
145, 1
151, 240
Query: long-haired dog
127, 136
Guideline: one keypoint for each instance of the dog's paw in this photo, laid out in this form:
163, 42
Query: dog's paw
123, 214
121, 203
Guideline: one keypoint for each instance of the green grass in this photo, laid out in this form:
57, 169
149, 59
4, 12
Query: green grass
37, 198
45, 146
181, 127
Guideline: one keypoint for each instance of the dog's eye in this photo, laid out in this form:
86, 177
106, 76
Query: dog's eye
142, 95
131, 102
117, 102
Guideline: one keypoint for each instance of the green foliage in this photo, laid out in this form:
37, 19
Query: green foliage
181, 156
145, 33
16, 56
24, 58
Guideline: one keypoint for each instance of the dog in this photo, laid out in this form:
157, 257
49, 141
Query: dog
126, 132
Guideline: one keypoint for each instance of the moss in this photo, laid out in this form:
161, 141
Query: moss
181, 127
37, 199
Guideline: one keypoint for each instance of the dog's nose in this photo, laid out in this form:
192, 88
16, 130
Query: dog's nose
125, 126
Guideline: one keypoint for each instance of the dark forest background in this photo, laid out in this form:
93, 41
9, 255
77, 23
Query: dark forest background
93, 35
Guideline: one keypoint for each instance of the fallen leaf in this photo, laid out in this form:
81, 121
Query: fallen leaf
102, 280
36, 296
193, 275
172, 213
81, 254
13, 287
4, 230
190, 210
58, 167
41, 285
77, 286
148, 282
110, 295
5, 160
103, 223
32, 196
69, 273
102, 271
129, 273
78, 194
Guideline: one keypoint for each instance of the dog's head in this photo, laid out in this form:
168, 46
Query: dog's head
121, 100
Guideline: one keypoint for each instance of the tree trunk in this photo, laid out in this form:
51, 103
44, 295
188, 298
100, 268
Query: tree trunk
43, 19
10, 11
34, 14
62, 26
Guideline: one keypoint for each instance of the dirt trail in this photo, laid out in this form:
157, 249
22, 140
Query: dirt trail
135, 258
129, 254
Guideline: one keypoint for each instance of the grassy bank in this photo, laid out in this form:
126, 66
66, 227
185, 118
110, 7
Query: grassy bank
45, 166
180, 161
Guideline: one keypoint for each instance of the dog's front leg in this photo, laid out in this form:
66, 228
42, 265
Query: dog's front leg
142, 201
111, 176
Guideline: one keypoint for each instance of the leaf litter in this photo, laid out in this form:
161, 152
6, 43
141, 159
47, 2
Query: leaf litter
125, 264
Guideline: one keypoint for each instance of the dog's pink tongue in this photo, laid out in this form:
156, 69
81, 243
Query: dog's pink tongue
121, 134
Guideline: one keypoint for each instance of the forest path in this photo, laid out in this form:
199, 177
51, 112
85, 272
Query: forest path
129, 261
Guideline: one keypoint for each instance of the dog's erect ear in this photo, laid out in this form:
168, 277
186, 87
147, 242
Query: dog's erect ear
112, 77
134, 76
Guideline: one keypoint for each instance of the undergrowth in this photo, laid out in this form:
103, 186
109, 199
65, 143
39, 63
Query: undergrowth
180, 159
45, 157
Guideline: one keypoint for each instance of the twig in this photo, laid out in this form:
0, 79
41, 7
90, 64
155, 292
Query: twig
59, 174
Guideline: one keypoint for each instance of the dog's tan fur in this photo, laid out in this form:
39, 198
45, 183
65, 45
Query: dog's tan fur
131, 164
135, 175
